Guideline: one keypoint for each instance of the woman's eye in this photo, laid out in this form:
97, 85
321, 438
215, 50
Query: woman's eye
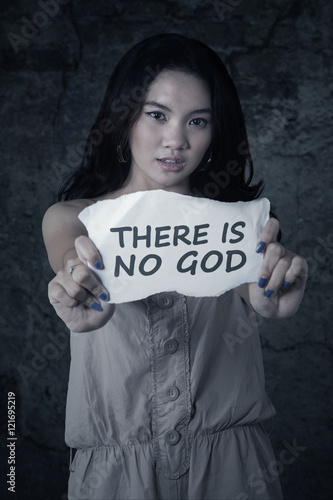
199, 122
157, 115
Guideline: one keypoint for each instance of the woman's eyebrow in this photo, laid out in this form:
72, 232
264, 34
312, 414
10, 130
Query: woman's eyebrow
165, 108
158, 105
199, 111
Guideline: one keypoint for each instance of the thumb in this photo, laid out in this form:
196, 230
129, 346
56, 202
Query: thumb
268, 234
88, 253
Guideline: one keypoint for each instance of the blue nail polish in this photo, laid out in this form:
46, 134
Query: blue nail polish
262, 282
268, 293
103, 296
98, 264
96, 306
285, 284
260, 246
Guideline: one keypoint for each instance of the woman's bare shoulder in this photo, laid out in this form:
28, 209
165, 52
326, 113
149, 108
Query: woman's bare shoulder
69, 207
68, 211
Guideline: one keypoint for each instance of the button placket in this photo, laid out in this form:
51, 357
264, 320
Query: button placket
171, 403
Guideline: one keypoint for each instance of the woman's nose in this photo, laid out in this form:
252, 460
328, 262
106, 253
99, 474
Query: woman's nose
175, 137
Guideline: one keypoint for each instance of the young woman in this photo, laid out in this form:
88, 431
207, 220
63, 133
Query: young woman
158, 406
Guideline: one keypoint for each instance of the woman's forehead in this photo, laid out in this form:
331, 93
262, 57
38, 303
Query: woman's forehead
180, 86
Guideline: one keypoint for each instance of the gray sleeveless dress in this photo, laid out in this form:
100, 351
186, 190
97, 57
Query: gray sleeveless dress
167, 402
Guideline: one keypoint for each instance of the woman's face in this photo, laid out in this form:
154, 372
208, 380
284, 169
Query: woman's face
172, 134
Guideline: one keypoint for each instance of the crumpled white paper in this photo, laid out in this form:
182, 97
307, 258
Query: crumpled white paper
155, 241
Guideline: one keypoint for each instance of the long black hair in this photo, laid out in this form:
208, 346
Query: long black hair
227, 177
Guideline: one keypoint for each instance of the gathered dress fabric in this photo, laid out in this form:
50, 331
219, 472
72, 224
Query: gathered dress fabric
167, 401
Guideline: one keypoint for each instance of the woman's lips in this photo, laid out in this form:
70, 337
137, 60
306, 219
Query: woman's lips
172, 163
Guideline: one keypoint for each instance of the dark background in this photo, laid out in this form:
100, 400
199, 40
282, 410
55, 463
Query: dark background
279, 54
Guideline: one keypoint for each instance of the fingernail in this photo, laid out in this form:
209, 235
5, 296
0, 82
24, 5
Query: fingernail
103, 296
260, 246
268, 293
262, 282
98, 264
96, 306
285, 284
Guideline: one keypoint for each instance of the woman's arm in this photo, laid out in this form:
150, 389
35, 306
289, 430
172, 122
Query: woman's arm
75, 293
60, 227
281, 280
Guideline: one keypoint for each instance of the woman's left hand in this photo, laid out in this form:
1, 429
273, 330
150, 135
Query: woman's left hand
282, 277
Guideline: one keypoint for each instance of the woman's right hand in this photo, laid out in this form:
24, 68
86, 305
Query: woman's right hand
78, 297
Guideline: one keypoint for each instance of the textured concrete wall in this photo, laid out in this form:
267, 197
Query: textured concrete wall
279, 53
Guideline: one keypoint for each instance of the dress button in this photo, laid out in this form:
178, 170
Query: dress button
164, 301
172, 437
172, 393
170, 346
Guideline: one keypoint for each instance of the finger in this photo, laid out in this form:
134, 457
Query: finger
87, 252
268, 234
58, 295
85, 278
82, 285
297, 269
74, 290
278, 276
274, 252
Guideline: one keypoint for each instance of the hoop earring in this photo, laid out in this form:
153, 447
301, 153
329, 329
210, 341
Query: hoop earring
121, 158
206, 165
